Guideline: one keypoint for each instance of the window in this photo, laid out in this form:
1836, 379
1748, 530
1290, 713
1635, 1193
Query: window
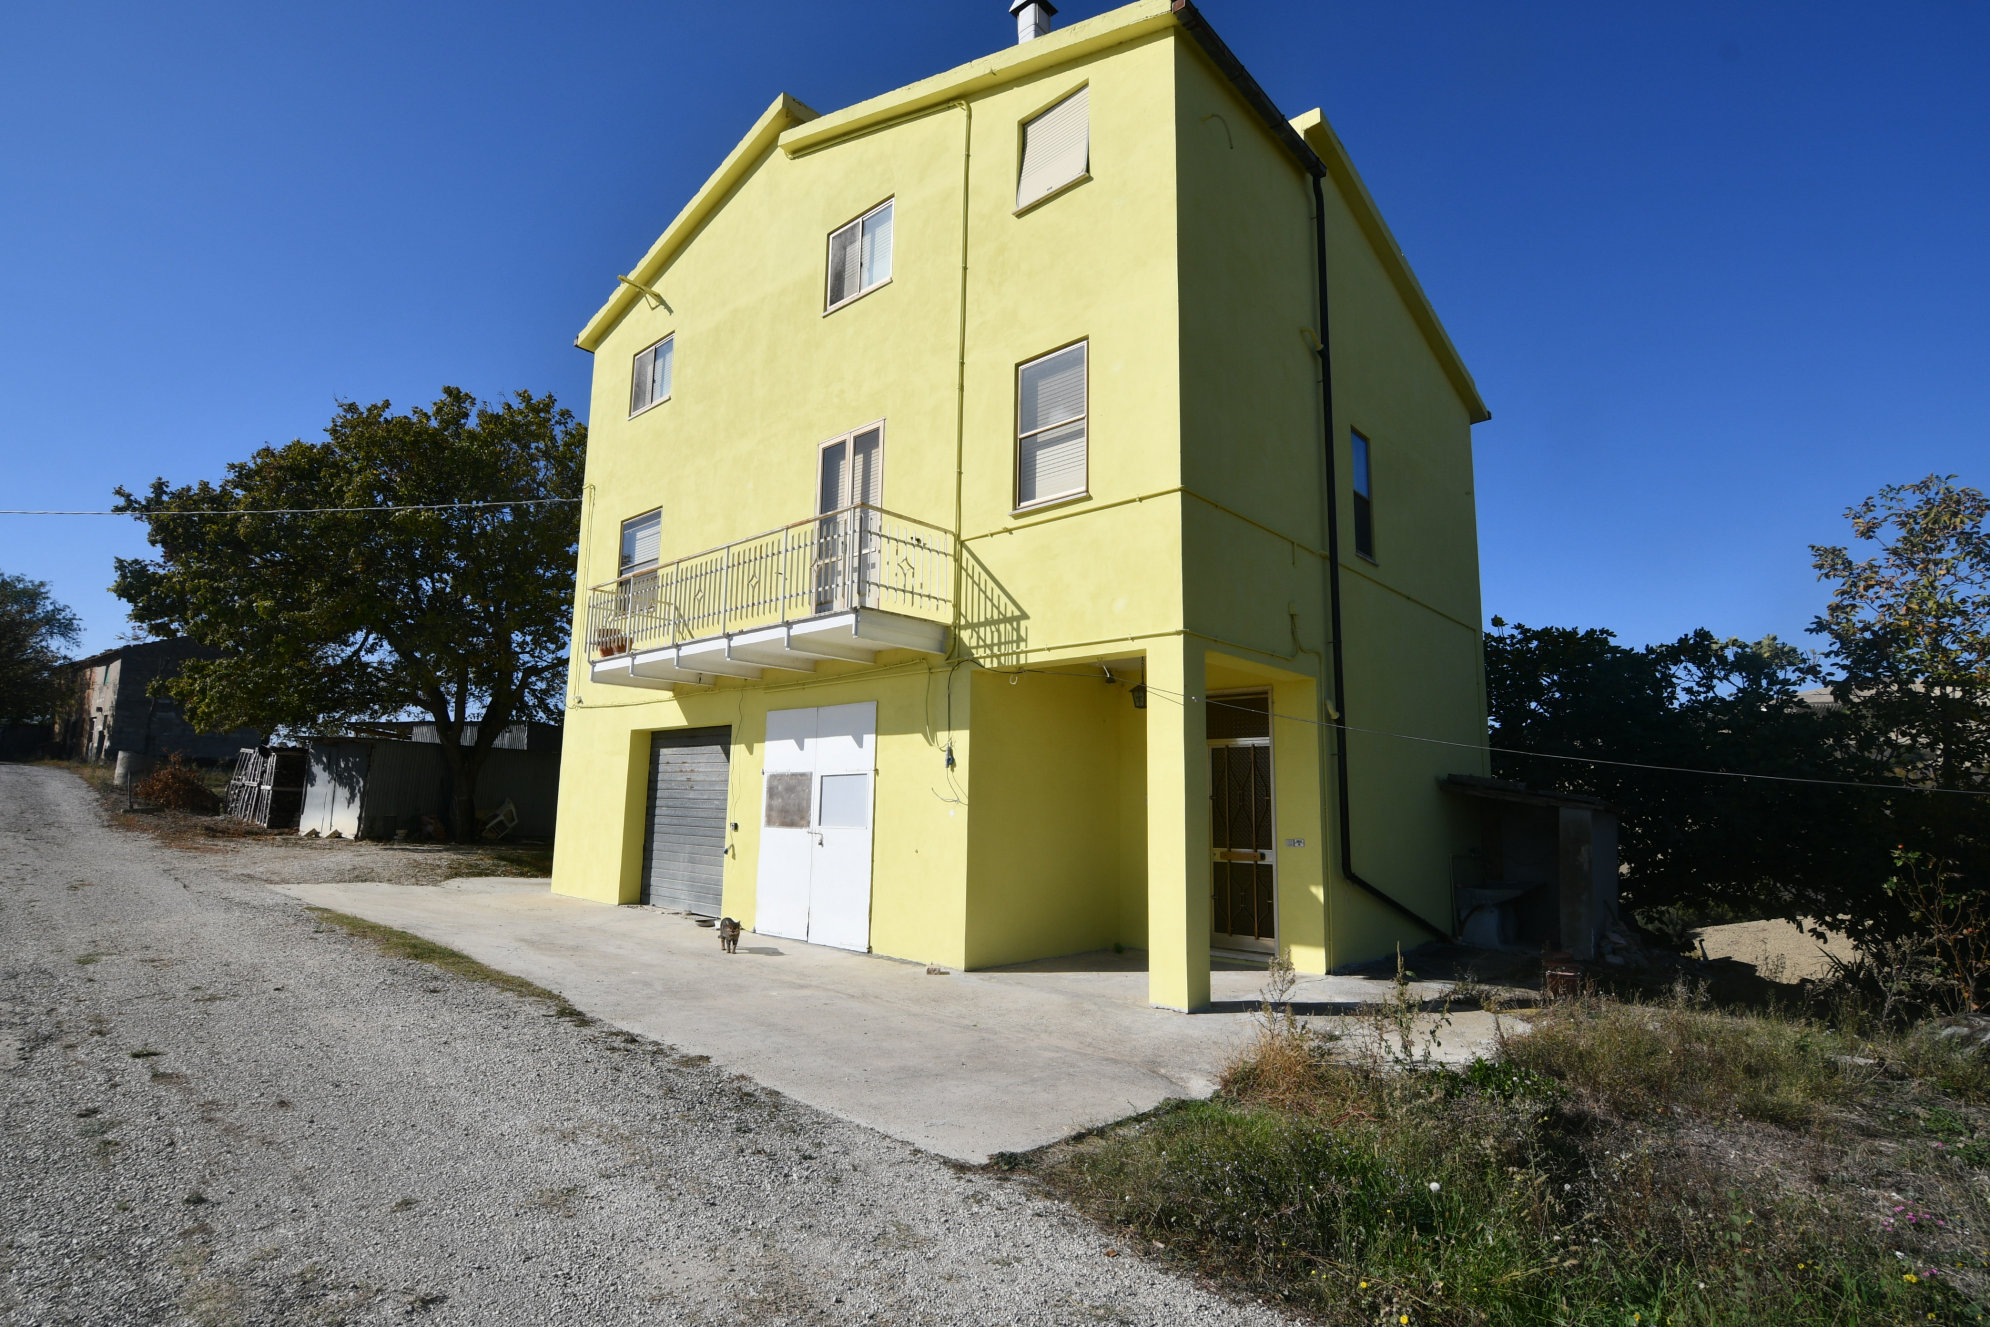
652, 377
1057, 149
850, 470
1364, 511
1050, 427
860, 256
642, 537
846, 801
787, 801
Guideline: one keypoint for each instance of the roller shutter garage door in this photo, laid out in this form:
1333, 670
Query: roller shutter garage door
684, 850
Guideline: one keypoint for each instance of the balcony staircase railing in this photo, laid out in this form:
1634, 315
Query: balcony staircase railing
859, 557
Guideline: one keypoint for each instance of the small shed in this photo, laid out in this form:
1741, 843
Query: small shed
1545, 870
379, 787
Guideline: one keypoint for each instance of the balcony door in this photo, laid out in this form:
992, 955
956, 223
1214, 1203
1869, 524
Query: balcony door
849, 488
814, 879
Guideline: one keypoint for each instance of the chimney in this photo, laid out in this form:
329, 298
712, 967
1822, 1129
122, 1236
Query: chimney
1032, 18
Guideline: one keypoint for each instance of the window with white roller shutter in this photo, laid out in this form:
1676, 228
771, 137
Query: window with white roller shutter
1057, 149
642, 538
1051, 427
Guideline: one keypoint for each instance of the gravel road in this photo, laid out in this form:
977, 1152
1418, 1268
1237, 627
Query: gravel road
215, 1110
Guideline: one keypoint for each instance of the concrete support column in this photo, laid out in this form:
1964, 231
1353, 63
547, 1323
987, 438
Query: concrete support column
1178, 868
1300, 823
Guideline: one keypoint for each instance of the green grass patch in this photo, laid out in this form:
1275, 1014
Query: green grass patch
401, 944
1624, 1164
1638, 1060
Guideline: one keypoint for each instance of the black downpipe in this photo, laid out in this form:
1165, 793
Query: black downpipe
1345, 826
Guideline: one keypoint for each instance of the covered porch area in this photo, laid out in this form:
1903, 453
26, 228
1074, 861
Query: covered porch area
1165, 802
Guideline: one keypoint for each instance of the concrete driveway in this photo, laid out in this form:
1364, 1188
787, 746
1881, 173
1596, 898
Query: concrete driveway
963, 1064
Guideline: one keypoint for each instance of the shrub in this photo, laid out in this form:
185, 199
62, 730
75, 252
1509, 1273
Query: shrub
178, 786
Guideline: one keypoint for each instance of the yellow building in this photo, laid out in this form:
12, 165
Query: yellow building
962, 577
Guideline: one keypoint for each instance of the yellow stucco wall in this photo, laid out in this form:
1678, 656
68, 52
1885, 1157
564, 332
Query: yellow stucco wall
1252, 455
1054, 759
1071, 819
762, 376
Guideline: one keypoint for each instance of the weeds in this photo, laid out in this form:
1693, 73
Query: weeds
1956, 921
1636, 1060
1624, 1163
401, 944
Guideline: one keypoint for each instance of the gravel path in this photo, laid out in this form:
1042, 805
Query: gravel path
215, 1110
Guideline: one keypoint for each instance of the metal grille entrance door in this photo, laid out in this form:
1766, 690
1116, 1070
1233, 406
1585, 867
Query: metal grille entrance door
1243, 894
684, 847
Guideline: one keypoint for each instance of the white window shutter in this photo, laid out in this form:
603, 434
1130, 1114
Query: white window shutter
1053, 390
832, 486
1057, 148
642, 540
877, 247
1050, 427
867, 470
1051, 464
665, 356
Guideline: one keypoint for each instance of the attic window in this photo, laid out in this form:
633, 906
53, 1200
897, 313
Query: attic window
1057, 149
860, 256
651, 382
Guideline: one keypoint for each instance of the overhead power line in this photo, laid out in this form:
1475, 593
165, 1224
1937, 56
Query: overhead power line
298, 511
1581, 760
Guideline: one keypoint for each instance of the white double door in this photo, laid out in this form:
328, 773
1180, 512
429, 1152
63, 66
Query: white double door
815, 825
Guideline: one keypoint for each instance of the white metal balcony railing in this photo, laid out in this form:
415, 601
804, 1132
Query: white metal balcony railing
858, 557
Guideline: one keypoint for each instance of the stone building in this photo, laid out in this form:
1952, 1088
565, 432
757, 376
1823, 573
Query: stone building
115, 711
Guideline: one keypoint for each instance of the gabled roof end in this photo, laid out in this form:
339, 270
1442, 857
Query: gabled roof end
785, 113
1320, 137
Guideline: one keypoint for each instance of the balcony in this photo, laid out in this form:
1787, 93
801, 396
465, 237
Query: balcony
842, 586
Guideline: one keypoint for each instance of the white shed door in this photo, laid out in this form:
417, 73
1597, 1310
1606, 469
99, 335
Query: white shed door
815, 836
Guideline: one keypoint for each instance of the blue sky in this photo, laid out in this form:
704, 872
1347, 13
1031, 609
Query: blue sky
1720, 270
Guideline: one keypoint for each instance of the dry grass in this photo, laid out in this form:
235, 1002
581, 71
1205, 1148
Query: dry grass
1639, 1060
402, 944
1627, 1164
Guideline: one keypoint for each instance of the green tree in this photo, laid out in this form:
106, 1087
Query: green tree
1701, 702
34, 628
1908, 632
324, 617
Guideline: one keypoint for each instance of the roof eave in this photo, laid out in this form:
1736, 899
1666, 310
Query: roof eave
1313, 127
1117, 27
